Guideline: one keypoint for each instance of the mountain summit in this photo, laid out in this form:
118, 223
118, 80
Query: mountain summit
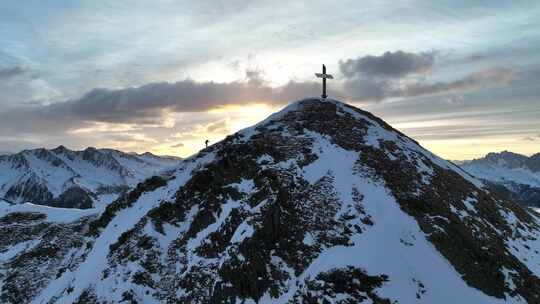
319, 203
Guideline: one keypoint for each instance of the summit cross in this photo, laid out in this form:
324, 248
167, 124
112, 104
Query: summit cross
324, 76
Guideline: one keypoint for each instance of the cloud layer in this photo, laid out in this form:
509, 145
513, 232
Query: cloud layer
367, 78
389, 65
154, 114
6, 73
404, 74
146, 103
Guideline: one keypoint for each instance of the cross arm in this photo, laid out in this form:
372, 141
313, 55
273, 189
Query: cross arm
319, 75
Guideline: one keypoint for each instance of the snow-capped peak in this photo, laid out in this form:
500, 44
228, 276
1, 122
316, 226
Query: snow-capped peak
59, 177
506, 167
319, 203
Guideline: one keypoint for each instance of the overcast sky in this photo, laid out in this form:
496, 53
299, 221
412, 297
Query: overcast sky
164, 76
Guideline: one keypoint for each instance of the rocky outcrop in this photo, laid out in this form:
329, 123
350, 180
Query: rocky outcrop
74, 197
35, 252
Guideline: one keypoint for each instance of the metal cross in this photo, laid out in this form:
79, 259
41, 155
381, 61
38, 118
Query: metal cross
324, 76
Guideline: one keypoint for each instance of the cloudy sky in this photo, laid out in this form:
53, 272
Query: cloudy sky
461, 77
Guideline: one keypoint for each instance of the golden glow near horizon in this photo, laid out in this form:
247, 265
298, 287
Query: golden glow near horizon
233, 119
460, 143
227, 120
465, 149
461, 81
104, 127
184, 134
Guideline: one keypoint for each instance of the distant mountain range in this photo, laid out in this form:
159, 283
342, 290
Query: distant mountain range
513, 175
74, 179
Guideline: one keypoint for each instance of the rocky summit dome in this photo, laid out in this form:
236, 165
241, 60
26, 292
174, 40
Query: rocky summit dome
319, 203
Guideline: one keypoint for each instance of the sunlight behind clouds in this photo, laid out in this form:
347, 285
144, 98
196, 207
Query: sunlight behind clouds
191, 139
118, 74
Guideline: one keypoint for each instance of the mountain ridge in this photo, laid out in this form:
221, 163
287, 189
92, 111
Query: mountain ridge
321, 202
77, 179
514, 175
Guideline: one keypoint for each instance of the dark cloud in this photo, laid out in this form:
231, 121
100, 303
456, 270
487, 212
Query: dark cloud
144, 103
178, 145
388, 65
255, 77
368, 89
528, 138
147, 104
477, 80
6, 73
375, 78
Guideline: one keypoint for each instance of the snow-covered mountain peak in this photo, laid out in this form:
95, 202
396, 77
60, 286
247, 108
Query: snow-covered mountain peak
505, 158
320, 203
347, 127
511, 174
62, 177
506, 167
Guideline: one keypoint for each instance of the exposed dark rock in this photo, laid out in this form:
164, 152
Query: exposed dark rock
31, 190
74, 197
350, 285
47, 253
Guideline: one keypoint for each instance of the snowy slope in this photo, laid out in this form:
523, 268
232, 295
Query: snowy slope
52, 214
320, 203
74, 179
514, 174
